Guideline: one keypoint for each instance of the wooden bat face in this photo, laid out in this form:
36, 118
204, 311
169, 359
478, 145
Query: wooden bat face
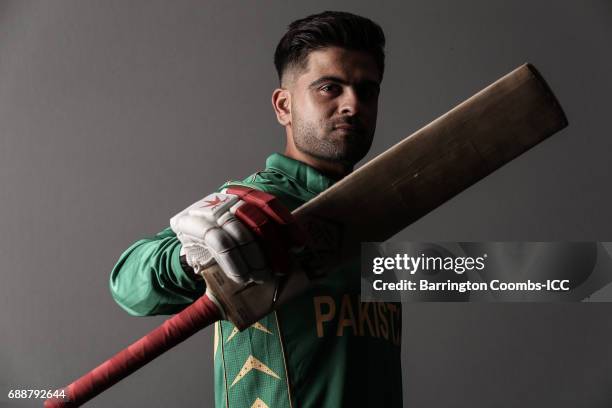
404, 183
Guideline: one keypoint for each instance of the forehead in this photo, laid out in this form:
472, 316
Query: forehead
349, 65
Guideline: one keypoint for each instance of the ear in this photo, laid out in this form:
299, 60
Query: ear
281, 102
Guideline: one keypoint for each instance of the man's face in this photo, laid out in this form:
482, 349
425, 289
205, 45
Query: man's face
334, 104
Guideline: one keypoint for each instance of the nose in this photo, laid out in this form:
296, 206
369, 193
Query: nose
349, 102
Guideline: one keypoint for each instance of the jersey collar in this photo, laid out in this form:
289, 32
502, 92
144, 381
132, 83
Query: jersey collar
308, 177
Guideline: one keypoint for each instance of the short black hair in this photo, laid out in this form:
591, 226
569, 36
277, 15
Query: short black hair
330, 28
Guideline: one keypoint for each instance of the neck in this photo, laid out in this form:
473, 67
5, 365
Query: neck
332, 169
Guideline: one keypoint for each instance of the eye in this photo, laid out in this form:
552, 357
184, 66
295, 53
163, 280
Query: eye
330, 88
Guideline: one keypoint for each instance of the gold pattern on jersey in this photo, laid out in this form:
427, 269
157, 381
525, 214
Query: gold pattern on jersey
255, 325
253, 364
259, 404
216, 340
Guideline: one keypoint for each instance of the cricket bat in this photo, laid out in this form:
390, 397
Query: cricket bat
372, 204
406, 182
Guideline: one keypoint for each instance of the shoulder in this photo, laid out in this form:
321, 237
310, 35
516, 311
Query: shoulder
262, 180
271, 182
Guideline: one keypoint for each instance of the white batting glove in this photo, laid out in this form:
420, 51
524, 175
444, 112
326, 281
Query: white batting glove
210, 232
249, 233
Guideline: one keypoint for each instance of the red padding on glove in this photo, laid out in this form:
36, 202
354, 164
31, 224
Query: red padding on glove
274, 209
267, 202
202, 313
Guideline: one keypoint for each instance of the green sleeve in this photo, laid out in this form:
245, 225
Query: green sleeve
148, 278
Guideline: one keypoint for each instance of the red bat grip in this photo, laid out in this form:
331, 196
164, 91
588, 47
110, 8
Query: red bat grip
202, 313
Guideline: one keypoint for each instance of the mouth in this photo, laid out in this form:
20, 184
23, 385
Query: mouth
345, 126
348, 133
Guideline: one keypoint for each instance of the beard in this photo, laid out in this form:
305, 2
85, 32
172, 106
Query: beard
319, 139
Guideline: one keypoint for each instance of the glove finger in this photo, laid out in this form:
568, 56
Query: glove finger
227, 254
209, 206
213, 205
249, 248
235, 228
191, 227
273, 246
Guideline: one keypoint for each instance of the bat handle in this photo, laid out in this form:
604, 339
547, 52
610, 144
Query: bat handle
202, 313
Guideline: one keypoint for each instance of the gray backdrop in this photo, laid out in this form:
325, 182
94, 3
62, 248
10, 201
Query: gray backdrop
114, 115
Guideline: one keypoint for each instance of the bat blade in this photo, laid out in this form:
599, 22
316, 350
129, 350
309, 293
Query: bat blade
442, 159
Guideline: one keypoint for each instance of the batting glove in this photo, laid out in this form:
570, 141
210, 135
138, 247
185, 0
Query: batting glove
249, 233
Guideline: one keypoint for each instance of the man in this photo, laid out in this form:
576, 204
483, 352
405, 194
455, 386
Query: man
325, 348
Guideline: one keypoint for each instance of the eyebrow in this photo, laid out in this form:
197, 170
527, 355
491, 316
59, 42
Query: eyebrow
329, 78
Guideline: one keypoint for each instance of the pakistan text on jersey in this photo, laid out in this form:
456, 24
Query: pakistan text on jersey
353, 317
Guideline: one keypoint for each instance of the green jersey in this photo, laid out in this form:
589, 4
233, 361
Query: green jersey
323, 349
